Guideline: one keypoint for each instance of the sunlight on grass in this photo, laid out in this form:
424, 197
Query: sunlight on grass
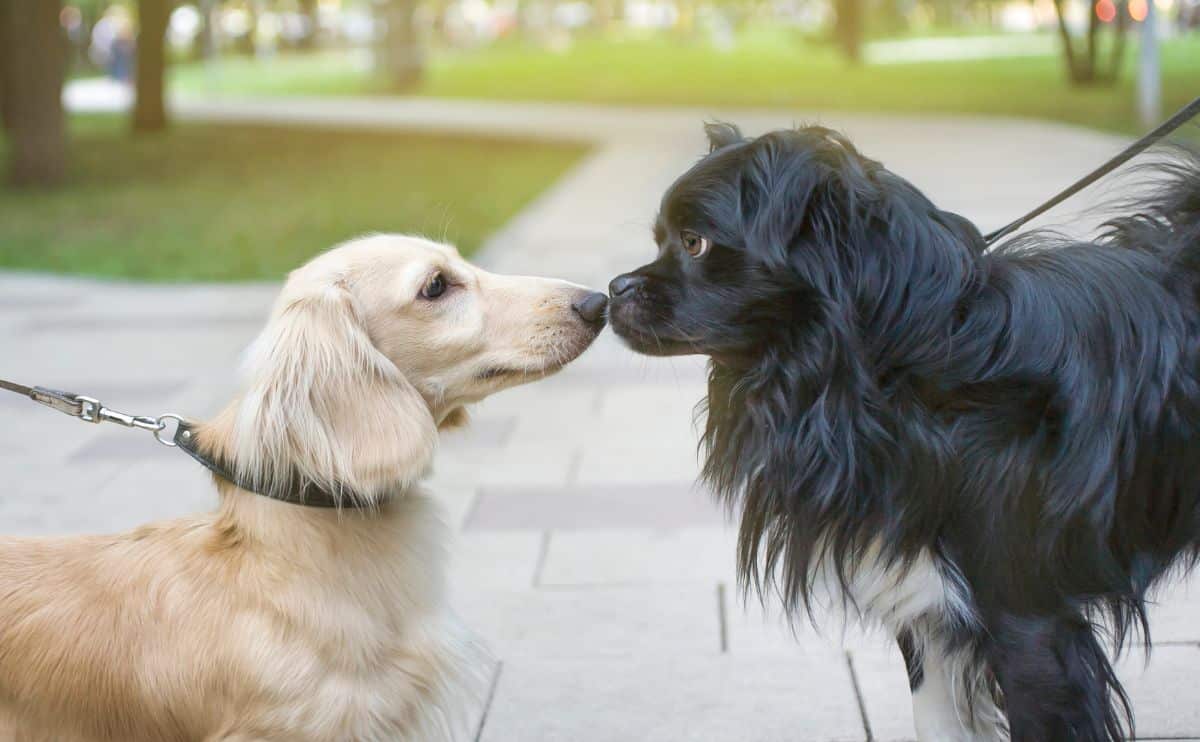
768, 68
207, 202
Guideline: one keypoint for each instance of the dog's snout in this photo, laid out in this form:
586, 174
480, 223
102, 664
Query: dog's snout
624, 284
590, 307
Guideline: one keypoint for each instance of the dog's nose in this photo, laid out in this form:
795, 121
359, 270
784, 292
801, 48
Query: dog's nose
624, 283
591, 307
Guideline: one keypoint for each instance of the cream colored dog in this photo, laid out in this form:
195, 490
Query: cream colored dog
266, 620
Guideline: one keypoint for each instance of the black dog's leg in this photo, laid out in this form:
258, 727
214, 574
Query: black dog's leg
945, 708
1057, 681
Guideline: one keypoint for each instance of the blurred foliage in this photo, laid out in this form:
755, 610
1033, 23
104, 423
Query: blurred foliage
768, 67
162, 206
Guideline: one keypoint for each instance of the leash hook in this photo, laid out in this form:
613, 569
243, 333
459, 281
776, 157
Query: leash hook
92, 410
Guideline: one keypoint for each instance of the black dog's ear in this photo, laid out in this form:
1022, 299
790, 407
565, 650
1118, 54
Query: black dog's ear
721, 134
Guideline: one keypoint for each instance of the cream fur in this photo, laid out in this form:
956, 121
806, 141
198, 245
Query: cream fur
269, 621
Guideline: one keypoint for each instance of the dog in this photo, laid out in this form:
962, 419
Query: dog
992, 453
271, 620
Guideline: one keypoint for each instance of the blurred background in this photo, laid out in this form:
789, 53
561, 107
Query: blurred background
111, 185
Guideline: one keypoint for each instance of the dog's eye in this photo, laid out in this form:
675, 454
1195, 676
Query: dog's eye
435, 287
695, 245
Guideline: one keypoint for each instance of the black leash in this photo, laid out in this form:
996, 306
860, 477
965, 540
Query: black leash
296, 491
1184, 115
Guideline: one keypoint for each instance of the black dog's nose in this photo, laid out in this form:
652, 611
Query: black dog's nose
624, 283
591, 307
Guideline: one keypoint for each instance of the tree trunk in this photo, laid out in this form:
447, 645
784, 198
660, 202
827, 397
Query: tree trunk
1118, 52
149, 107
1068, 45
1086, 66
308, 8
848, 28
6, 68
35, 57
1093, 30
401, 57
205, 47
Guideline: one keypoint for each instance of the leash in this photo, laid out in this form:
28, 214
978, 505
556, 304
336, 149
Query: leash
1184, 115
295, 491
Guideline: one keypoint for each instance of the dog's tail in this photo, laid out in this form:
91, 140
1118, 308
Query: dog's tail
1165, 217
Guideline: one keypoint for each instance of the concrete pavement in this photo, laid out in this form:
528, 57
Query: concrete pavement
602, 578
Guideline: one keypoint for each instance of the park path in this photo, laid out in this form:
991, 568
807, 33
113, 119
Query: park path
601, 576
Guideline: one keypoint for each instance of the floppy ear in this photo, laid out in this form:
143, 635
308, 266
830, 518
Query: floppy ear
721, 134
324, 405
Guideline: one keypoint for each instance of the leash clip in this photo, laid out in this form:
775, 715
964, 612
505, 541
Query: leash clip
92, 410
65, 403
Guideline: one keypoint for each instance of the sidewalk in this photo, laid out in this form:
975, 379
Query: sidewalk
599, 574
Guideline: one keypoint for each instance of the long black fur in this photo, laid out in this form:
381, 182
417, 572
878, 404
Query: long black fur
1027, 414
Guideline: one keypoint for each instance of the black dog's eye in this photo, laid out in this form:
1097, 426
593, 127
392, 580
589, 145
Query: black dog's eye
695, 245
435, 287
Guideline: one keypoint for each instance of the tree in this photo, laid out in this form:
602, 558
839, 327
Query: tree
206, 36
312, 24
848, 28
6, 68
1086, 67
401, 56
149, 108
33, 61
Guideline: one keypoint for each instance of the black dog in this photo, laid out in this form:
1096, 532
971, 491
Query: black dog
996, 454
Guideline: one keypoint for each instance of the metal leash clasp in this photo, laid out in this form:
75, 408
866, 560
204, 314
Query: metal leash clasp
92, 410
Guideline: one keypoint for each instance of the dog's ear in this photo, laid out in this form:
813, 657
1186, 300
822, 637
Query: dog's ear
325, 406
721, 134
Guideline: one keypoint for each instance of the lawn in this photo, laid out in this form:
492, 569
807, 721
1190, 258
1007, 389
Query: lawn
767, 68
215, 202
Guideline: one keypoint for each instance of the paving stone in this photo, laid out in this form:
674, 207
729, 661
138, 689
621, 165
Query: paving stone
1165, 696
1175, 612
125, 356
623, 461
883, 682
482, 432
168, 486
553, 405
512, 466
245, 323
628, 622
495, 561
640, 556
755, 630
456, 501
675, 401
681, 699
42, 496
573, 508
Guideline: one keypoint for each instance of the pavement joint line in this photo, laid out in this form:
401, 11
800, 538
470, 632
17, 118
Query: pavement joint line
573, 466
543, 552
618, 585
491, 696
472, 511
722, 617
858, 697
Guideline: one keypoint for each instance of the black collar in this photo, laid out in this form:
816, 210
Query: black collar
308, 494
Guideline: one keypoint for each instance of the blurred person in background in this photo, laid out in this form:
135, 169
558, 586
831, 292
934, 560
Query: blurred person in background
113, 43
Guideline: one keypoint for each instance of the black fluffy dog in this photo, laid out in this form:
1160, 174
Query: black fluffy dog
996, 454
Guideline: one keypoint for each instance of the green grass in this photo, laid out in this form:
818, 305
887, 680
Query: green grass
769, 68
206, 202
